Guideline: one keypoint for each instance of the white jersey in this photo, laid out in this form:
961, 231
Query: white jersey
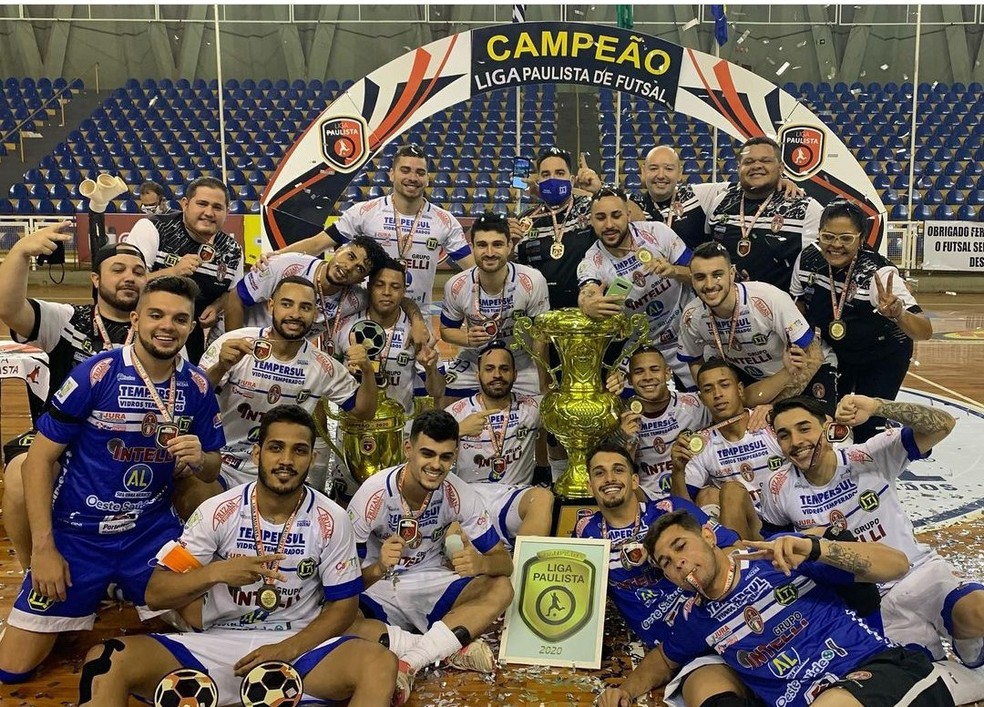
768, 322
252, 387
524, 294
656, 437
661, 299
476, 454
750, 461
434, 228
321, 562
257, 287
376, 510
400, 363
860, 497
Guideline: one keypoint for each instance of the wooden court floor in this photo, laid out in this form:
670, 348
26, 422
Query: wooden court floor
951, 365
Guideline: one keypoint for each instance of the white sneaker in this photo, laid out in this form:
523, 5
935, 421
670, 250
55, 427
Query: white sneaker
404, 685
476, 656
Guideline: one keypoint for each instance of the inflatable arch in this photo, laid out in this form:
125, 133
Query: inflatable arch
320, 165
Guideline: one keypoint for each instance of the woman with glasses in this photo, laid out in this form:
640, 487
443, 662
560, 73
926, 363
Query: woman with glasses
860, 303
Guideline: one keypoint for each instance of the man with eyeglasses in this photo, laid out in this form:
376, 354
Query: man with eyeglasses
763, 229
409, 228
859, 302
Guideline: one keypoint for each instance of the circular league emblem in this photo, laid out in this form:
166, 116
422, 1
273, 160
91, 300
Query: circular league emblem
367, 444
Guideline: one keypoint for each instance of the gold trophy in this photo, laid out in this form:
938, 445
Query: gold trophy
368, 446
578, 410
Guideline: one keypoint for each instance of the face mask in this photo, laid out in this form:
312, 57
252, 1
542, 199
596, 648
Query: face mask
555, 192
155, 209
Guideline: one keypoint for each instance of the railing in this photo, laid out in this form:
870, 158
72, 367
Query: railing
12, 228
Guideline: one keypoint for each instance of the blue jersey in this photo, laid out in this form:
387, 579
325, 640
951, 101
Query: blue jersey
647, 601
112, 470
788, 638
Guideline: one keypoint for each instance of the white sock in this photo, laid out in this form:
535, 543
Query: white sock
401, 641
557, 468
965, 685
436, 644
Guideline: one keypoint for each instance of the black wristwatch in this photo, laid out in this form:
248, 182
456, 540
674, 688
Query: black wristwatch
814, 549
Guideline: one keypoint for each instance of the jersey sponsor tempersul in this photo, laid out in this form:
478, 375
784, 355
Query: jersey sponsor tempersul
768, 322
321, 563
523, 295
657, 434
476, 454
661, 299
400, 366
164, 239
860, 496
113, 470
68, 334
257, 287
788, 638
376, 510
648, 602
783, 229
434, 229
252, 387
685, 212
749, 460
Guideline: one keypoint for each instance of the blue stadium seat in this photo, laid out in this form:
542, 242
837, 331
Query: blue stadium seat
899, 212
237, 207
921, 213
459, 195
24, 206
933, 196
890, 197
955, 197
944, 211
501, 196
976, 197
967, 213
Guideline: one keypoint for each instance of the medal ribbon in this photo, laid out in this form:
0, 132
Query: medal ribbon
732, 329
403, 244
167, 410
734, 418
104, 334
498, 440
837, 303
671, 209
336, 324
281, 541
747, 230
476, 291
384, 353
403, 503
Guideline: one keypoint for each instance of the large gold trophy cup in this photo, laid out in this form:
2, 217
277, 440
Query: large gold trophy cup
578, 410
369, 446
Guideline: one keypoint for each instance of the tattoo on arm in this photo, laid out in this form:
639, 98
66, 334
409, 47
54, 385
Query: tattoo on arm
921, 418
411, 308
846, 558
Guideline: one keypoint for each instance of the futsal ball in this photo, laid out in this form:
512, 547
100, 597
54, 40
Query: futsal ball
370, 335
271, 684
186, 687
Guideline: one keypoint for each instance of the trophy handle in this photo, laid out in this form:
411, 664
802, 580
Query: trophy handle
522, 327
323, 431
637, 322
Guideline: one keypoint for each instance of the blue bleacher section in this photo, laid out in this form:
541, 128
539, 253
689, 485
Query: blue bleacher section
168, 131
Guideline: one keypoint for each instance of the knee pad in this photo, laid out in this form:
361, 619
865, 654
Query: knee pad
729, 699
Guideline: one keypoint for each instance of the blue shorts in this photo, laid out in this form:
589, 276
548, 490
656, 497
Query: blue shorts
95, 561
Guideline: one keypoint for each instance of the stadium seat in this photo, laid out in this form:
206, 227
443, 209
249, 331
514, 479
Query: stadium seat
899, 212
944, 211
967, 213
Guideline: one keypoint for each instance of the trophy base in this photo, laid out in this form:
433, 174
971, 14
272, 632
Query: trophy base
567, 512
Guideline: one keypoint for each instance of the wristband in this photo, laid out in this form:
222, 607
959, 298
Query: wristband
814, 549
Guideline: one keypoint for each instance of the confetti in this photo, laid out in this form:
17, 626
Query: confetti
690, 25
744, 36
781, 70
884, 67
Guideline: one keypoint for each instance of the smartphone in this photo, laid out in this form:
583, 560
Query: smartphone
620, 287
521, 171
58, 257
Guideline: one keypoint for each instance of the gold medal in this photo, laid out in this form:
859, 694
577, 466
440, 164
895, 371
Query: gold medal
644, 256
696, 444
635, 405
557, 251
268, 597
837, 330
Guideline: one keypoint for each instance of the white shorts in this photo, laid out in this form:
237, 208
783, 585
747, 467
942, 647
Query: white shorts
216, 651
673, 692
418, 597
912, 610
503, 502
462, 378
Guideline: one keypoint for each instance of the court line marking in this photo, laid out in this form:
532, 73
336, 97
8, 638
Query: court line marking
946, 390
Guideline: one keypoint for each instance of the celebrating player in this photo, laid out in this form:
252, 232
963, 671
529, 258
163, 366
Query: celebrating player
401, 516
481, 305
287, 597
122, 426
498, 431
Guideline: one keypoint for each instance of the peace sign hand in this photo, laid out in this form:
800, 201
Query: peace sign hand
889, 305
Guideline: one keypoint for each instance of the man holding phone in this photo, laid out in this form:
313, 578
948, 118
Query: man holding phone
638, 267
